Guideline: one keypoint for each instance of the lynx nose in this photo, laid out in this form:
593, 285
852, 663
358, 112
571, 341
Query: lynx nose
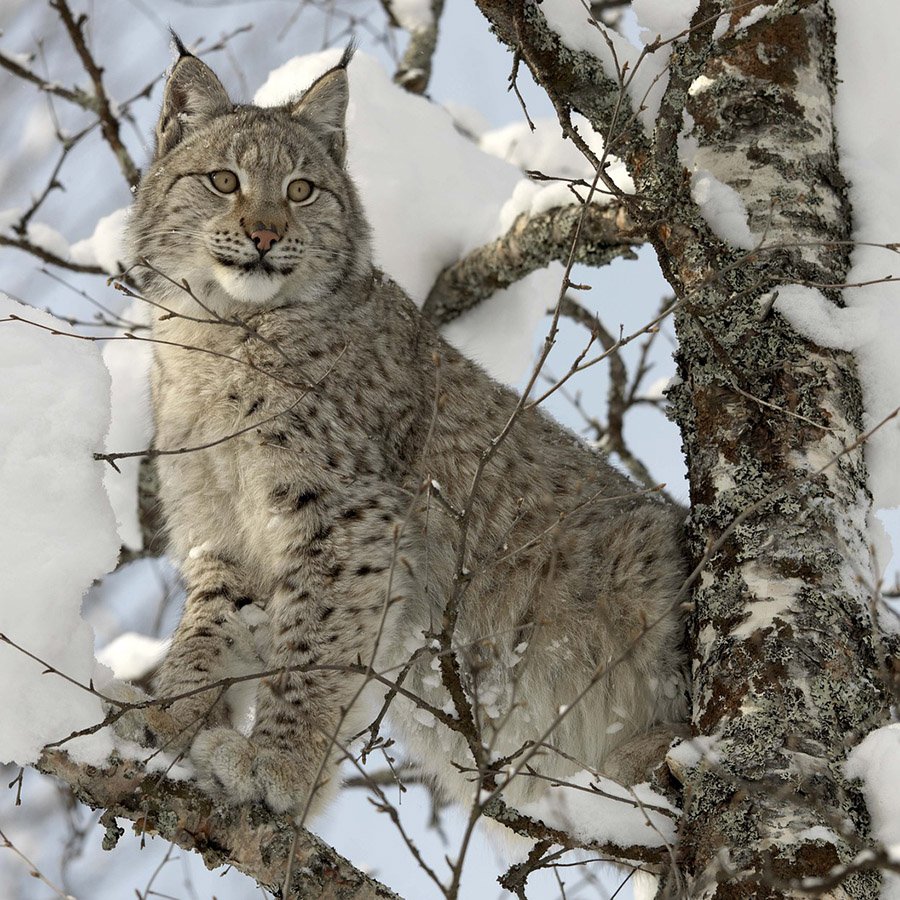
263, 237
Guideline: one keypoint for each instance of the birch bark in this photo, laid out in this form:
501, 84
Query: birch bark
786, 663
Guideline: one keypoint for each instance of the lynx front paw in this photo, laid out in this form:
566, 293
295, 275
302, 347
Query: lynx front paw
230, 763
130, 725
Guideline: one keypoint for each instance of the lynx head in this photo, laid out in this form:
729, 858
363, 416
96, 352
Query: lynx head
250, 205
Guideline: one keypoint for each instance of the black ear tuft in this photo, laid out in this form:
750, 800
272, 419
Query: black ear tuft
324, 104
179, 44
347, 55
193, 97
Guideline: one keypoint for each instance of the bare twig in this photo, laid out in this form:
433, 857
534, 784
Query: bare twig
99, 102
34, 871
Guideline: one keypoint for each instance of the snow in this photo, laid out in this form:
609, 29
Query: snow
414, 15
753, 17
431, 196
811, 314
466, 118
39, 134
547, 151
105, 247
721, 26
819, 833
724, 26
663, 19
47, 238
869, 143
496, 332
646, 78
876, 762
57, 532
700, 84
131, 656
620, 815
657, 388
532, 198
8, 217
131, 425
723, 209
880, 551
690, 753
772, 599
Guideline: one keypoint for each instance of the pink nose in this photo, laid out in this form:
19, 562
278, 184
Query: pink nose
263, 237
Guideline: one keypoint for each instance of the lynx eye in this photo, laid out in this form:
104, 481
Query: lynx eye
300, 190
224, 181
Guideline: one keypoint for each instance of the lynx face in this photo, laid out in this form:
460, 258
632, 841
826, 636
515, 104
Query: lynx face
250, 205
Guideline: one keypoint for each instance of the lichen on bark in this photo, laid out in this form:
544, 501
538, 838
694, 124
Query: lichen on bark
786, 676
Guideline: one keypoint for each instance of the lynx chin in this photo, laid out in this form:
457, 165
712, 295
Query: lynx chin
322, 509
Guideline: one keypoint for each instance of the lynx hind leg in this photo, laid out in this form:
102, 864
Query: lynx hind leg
338, 598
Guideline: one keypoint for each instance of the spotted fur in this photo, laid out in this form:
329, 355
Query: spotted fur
329, 439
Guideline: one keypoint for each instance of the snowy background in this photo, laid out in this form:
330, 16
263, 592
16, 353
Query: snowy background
432, 194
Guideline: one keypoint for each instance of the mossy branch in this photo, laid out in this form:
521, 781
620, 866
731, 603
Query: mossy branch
251, 838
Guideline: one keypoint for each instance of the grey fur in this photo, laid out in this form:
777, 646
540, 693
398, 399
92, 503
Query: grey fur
307, 539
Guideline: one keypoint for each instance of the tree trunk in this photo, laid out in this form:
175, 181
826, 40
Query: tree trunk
785, 672
786, 669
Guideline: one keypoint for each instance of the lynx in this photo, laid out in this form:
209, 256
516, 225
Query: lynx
320, 446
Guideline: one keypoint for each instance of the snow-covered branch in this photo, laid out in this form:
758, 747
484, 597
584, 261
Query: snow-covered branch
421, 19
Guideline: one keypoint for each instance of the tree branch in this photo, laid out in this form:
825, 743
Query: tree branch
48, 256
414, 71
73, 95
109, 123
572, 79
251, 838
530, 244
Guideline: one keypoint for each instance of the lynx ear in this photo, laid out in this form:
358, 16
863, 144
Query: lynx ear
325, 104
193, 97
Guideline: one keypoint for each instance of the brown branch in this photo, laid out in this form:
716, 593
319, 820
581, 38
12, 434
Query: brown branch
34, 871
100, 104
527, 826
251, 838
53, 183
572, 80
619, 400
530, 244
73, 95
414, 71
48, 256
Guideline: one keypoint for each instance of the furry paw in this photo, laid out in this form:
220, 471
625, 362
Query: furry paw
169, 729
229, 763
149, 727
636, 759
132, 725
225, 761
